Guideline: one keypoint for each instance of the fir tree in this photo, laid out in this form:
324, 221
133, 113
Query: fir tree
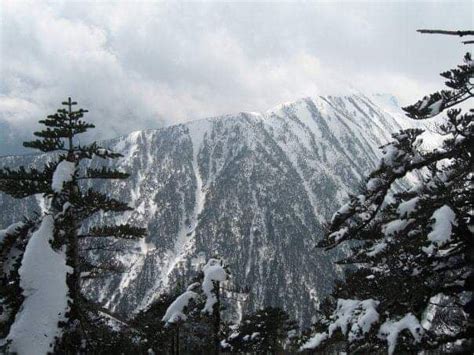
61, 182
197, 310
413, 246
155, 334
269, 330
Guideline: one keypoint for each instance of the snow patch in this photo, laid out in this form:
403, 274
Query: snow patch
373, 184
63, 174
175, 311
390, 330
213, 271
395, 226
342, 211
444, 219
406, 208
43, 274
360, 315
354, 316
314, 341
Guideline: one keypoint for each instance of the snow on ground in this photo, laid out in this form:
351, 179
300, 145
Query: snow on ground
43, 279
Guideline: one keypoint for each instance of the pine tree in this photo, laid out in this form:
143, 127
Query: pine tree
61, 182
413, 247
155, 334
198, 309
268, 330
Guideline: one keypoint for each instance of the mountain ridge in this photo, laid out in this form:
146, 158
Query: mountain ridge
254, 188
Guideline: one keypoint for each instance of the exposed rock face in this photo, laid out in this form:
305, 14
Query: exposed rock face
253, 188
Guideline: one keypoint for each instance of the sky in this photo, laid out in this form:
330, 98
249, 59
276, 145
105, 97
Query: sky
137, 65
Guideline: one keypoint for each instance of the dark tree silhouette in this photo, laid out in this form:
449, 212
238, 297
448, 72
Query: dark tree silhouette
70, 205
413, 247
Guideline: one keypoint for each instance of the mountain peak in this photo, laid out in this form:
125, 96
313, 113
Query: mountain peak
254, 188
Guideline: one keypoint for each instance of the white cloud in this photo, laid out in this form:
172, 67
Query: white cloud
138, 65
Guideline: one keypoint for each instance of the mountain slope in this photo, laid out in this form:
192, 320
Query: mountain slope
253, 188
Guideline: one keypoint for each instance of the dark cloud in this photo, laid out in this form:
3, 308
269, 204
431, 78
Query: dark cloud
138, 65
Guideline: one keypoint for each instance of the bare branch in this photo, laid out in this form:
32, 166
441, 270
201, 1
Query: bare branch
444, 32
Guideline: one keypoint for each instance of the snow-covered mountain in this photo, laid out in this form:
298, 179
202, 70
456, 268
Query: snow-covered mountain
253, 188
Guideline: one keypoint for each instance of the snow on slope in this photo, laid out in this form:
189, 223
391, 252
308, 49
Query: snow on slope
251, 187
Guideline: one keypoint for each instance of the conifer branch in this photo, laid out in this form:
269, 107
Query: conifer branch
94, 201
123, 231
104, 173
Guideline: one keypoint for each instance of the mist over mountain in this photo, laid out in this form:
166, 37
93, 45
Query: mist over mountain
253, 188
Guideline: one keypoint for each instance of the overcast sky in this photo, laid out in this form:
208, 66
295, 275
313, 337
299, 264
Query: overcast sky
138, 65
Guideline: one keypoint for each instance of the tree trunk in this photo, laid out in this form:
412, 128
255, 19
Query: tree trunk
177, 340
217, 318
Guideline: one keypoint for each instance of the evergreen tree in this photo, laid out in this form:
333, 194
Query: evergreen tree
197, 310
269, 330
413, 247
155, 334
61, 182
189, 335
